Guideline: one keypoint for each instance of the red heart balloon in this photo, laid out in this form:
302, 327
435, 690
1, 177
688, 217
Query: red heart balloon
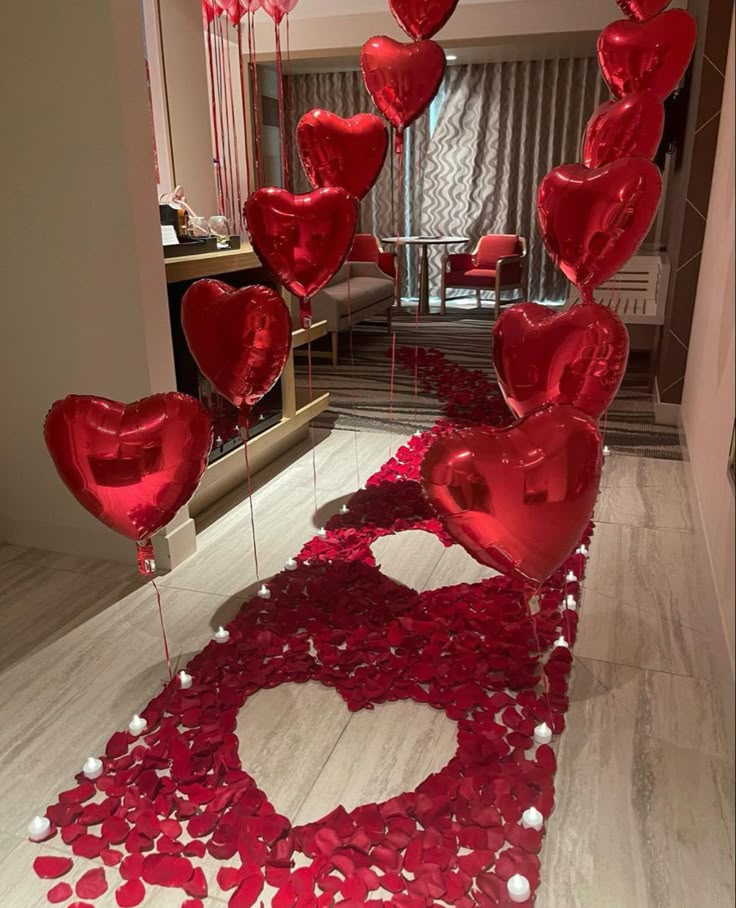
593, 221
629, 128
422, 18
337, 152
577, 357
239, 338
303, 239
132, 466
641, 10
653, 55
518, 499
402, 79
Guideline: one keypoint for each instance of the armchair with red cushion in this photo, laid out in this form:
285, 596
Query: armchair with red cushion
499, 263
366, 248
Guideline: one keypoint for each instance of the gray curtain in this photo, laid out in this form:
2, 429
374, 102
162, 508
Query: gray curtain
392, 205
501, 128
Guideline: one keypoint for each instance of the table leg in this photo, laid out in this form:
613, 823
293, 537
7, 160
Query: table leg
424, 282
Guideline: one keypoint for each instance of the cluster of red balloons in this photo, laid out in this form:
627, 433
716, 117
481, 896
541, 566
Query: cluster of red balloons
519, 498
236, 9
593, 216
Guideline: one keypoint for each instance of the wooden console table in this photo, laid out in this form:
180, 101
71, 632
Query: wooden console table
298, 411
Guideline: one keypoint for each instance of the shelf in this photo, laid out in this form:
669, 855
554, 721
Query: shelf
301, 336
193, 267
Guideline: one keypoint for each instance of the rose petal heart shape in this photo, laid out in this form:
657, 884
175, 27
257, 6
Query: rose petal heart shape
422, 18
630, 127
577, 357
518, 499
653, 55
132, 466
303, 239
240, 339
593, 221
641, 10
338, 152
402, 79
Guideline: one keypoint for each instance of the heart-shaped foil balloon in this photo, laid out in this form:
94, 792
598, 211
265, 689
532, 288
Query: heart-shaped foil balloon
132, 466
518, 499
402, 79
303, 239
653, 55
641, 10
629, 128
240, 339
577, 357
338, 152
422, 18
593, 221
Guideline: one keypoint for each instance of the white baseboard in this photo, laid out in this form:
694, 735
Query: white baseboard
665, 414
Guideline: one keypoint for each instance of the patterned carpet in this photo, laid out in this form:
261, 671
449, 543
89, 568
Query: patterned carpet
360, 385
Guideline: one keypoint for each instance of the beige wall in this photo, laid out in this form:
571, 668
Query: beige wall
708, 401
84, 298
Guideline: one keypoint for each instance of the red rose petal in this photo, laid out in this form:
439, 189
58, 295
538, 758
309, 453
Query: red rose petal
192, 903
202, 825
89, 846
132, 867
165, 870
247, 892
130, 894
115, 830
197, 885
51, 868
229, 877
111, 857
60, 893
92, 884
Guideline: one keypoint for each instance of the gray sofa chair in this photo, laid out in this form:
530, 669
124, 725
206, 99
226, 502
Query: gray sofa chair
358, 291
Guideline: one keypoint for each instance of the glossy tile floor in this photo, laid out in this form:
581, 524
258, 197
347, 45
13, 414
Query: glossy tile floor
645, 785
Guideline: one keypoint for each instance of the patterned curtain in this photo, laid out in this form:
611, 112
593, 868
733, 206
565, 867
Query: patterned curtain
386, 210
501, 128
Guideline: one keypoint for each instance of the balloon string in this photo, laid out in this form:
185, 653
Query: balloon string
237, 200
244, 107
259, 176
224, 169
249, 478
282, 109
290, 89
543, 677
213, 108
391, 394
353, 377
163, 629
311, 425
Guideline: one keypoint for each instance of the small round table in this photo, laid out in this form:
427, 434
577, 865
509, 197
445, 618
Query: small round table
425, 242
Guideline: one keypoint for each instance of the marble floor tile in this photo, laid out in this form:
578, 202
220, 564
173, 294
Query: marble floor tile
621, 471
647, 569
644, 506
286, 736
611, 631
383, 752
455, 565
644, 812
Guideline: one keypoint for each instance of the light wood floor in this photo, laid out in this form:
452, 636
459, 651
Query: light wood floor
645, 786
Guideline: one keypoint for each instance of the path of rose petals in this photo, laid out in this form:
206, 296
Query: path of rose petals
476, 651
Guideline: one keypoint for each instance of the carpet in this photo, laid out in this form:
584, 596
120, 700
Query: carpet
175, 795
360, 385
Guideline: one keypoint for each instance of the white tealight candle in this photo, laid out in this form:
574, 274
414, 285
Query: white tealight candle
606, 451
322, 532
137, 726
571, 577
264, 592
560, 641
542, 734
92, 768
221, 635
185, 680
344, 509
291, 564
532, 819
518, 888
39, 829
571, 602
582, 550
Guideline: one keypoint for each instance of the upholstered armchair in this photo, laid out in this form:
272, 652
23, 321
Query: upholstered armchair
499, 263
366, 248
